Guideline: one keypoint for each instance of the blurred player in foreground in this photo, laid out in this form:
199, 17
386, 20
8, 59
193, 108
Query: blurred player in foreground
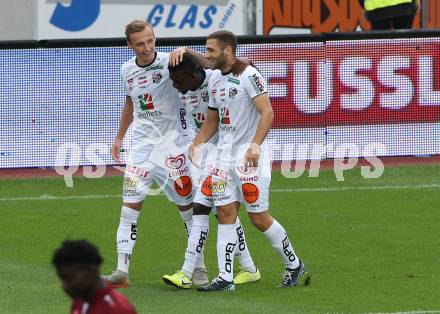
191, 79
77, 265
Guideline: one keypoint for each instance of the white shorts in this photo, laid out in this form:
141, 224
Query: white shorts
234, 184
202, 177
170, 170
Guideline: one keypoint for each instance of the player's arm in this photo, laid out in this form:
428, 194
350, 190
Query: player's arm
208, 129
176, 56
124, 124
264, 108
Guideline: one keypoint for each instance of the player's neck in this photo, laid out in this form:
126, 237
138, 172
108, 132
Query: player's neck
227, 67
96, 286
144, 63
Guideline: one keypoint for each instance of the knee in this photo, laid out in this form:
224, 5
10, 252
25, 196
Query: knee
135, 206
262, 221
199, 209
184, 208
226, 216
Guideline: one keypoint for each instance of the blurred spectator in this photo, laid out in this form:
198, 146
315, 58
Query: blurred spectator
77, 264
390, 14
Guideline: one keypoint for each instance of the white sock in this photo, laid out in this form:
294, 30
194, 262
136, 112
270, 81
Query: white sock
280, 242
226, 247
242, 252
123, 262
126, 236
196, 244
187, 220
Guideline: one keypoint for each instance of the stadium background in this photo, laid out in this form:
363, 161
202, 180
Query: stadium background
352, 94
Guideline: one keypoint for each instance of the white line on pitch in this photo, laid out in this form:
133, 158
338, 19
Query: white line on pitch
408, 312
45, 197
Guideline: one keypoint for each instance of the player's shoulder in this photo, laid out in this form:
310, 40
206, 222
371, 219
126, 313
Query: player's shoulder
214, 79
250, 71
210, 73
128, 67
214, 75
115, 302
162, 57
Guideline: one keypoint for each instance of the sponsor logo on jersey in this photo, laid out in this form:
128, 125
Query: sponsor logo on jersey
176, 162
224, 116
205, 96
207, 186
157, 77
217, 172
218, 187
155, 67
257, 83
146, 104
233, 80
137, 171
142, 80
199, 118
131, 183
223, 92
249, 179
194, 99
251, 193
182, 118
183, 186
130, 82
142, 83
232, 92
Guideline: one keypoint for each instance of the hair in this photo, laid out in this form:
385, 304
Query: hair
227, 38
136, 26
76, 252
190, 63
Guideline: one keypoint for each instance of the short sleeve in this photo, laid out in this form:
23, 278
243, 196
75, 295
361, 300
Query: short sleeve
125, 82
254, 83
211, 93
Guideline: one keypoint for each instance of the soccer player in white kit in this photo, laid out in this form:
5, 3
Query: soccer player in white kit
240, 109
159, 145
191, 79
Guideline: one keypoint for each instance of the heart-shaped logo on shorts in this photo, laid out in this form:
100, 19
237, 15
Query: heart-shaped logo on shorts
176, 162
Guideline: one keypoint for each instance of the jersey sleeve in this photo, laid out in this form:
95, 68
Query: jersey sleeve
254, 83
211, 94
124, 82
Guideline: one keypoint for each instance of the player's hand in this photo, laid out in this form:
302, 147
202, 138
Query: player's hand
240, 65
116, 149
176, 56
252, 156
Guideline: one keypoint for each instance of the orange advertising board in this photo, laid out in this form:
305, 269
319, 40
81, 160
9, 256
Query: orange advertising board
317, 16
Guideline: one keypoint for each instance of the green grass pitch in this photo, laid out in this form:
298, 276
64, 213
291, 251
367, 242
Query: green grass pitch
371, 245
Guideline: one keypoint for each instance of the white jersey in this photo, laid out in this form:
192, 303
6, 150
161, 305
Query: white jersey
196, 104
232, 97
159, 120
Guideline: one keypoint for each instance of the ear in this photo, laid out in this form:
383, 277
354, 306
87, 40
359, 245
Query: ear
228, 50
